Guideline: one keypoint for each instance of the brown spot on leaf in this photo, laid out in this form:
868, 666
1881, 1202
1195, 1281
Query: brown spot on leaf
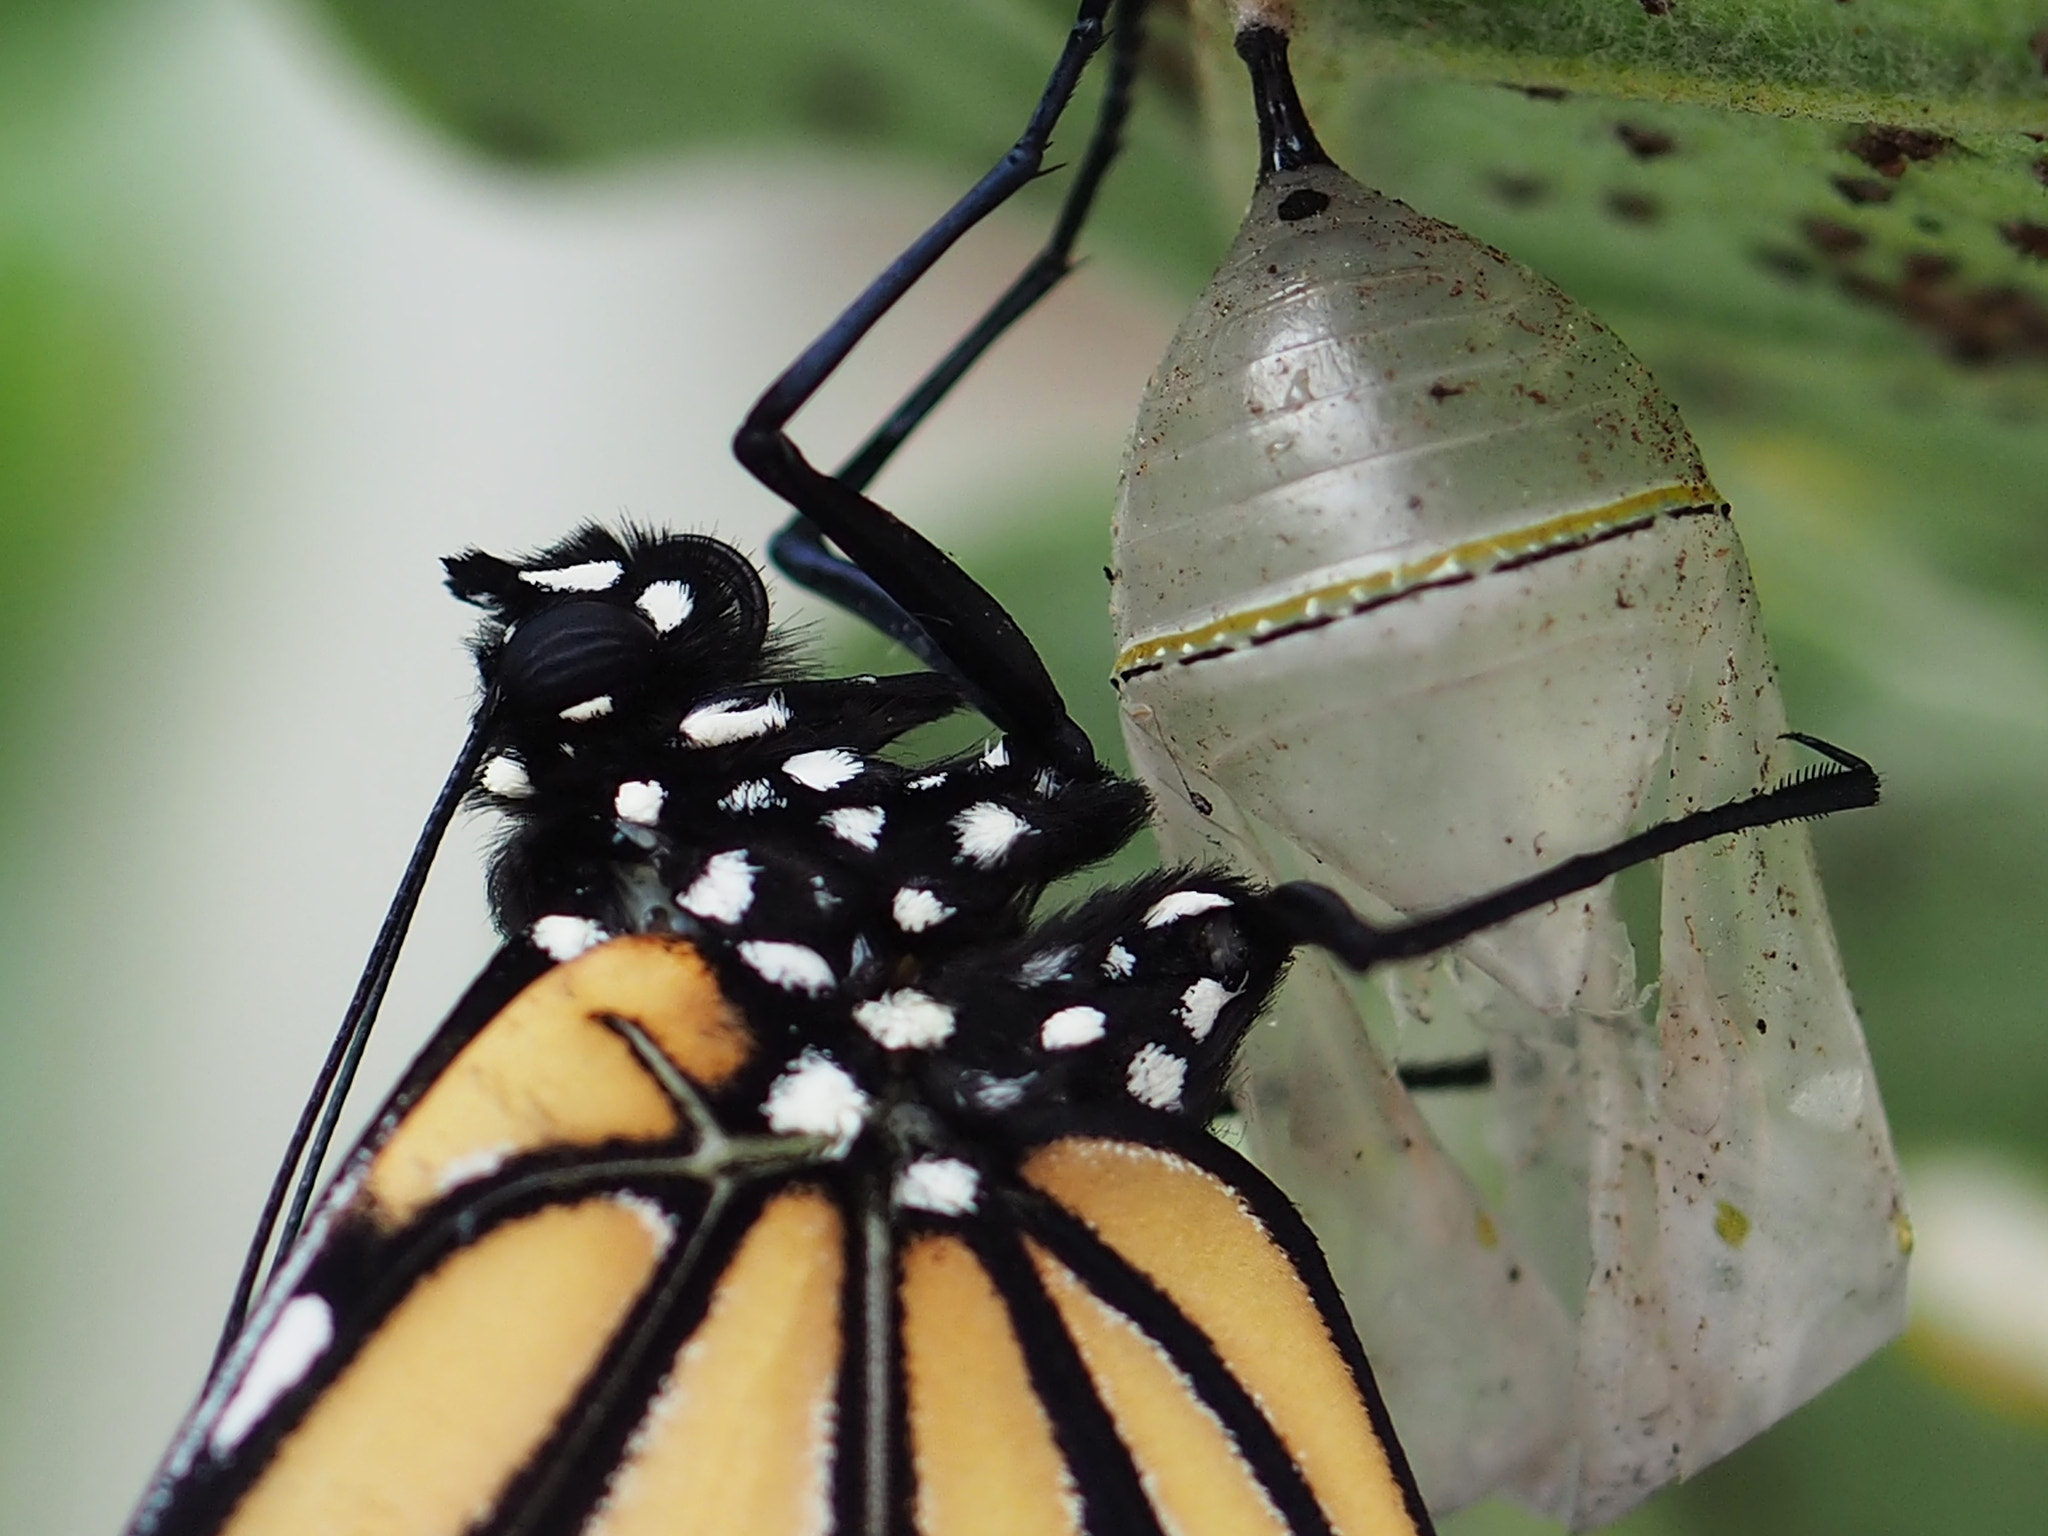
1518, 191
1656, 7
2037, 45
1864, 189
1634, 207
2026, 237
1888, 151
1832, 239
1644, 143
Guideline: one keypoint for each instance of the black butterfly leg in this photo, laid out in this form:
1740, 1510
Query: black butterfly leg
1302, 912
968, 626
800, 550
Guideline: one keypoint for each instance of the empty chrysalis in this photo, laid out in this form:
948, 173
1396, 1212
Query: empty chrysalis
1422, 586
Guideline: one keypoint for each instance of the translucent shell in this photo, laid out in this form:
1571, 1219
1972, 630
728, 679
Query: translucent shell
1421, 587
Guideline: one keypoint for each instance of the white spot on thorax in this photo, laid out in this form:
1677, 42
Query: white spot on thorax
301, 1334
1174, 906
589, 709
826, 768
1155, 1077
944, 1186
639, 801
1118, 963
793, 967
724, 890
1071, 1027
815, 1096
1201, 1004
997, 754
916, 909
506, 776
905, 1020
987, 831
562, 937
750, 795
666, 604
593, 576
715, 725
860, 825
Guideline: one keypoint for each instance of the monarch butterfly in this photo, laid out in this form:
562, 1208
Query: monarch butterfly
785, 1172
1420, 584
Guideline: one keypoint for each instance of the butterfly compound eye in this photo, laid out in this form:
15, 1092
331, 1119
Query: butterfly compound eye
573, 652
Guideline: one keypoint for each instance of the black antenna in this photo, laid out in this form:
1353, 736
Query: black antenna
307, 1149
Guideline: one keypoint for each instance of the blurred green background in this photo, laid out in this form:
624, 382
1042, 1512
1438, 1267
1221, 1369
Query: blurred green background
295, 297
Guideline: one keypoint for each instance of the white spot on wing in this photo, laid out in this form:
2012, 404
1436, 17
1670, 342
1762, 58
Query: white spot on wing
827, 768
987, 831
715, 725
589, 709
506, 776
815, 1096
927, 781
905, 1020
1118, 963
944, 1186
1176, 905
724, 891
660, 1226
1156, 1077
1071, 1027
301, 1334
997, 754
860, 825
1200, 1005
666, 604
561, 937
639, 801
793, 967
592, 576
917, 909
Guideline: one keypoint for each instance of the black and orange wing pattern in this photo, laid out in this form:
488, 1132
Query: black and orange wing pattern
784, 1174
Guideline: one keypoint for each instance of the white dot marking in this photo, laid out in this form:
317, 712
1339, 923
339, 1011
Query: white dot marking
827, 768
916, 909
1200, 1005
1072, 1027
987, 831
666, 604
1119, 962
725, 889
592, 576
1156, 1077
301, 1334
944, 1186
589, 709
860, 825
730, 720
562, 937
927, 781
815, 1096
905, 1020
506, 777
1048, 965
997, 754
792, 967
1175, 905
639, 801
